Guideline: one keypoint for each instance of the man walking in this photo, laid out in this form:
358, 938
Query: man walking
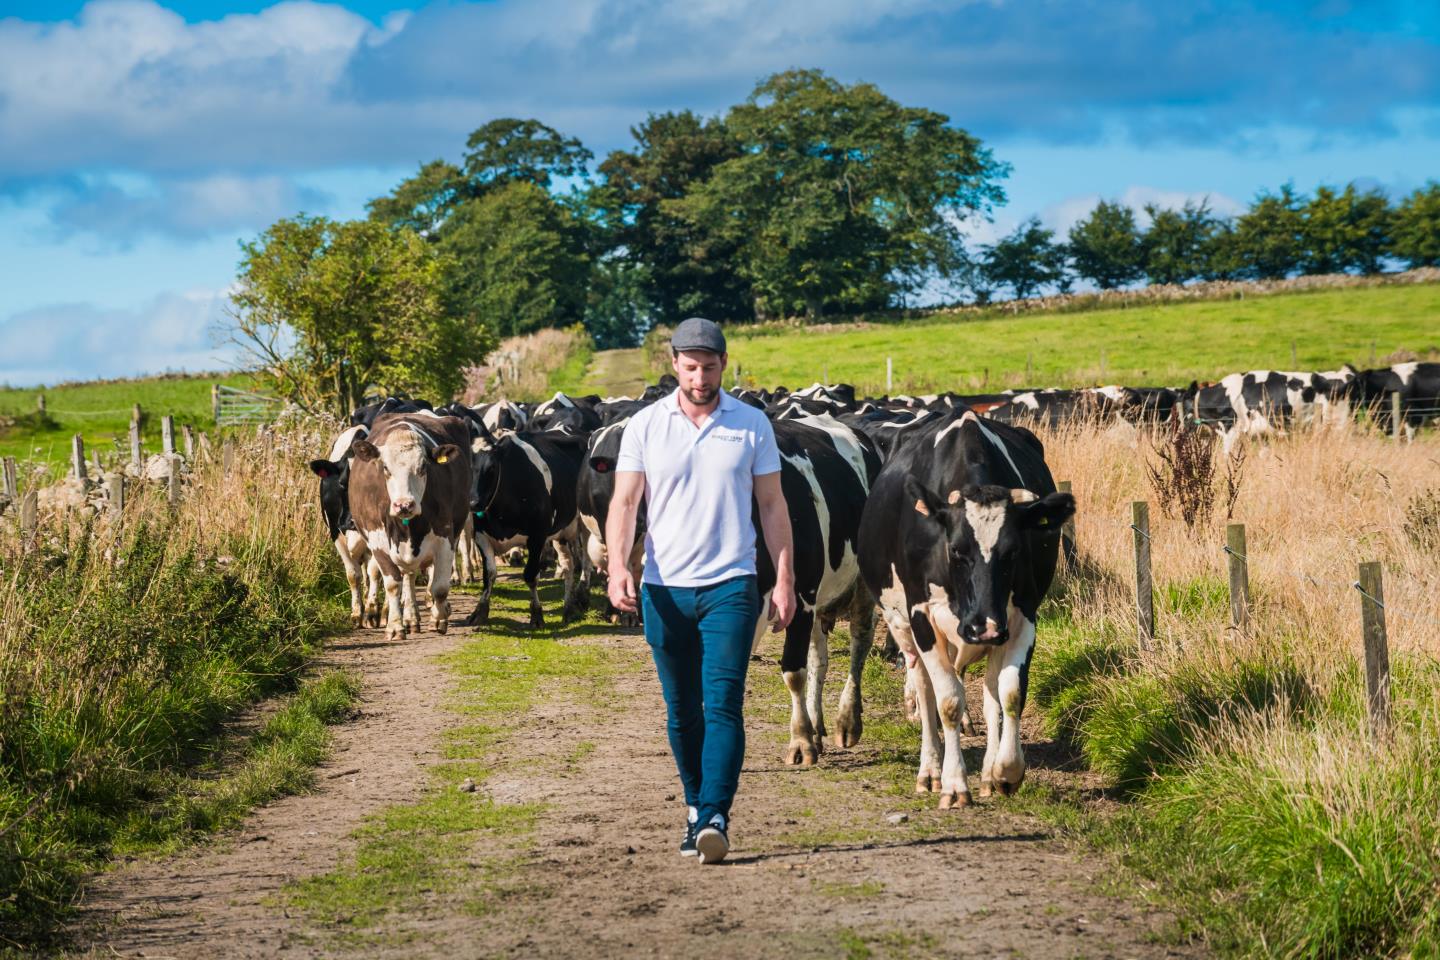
696, 456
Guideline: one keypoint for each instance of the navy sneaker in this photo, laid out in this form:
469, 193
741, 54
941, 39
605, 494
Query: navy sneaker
692, 827
712, 843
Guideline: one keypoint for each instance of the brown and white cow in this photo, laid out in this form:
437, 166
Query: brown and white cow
410, 495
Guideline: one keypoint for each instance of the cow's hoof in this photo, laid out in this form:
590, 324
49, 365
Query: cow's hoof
967, 726
630, 620
372, 619
357, 619
395, 634
847, 733
927, 783
537, 619
985, 790
441, 627
1007, 789
801, 752
954, 799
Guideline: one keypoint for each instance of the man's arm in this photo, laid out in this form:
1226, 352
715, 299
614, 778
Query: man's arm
775, 523
620, 537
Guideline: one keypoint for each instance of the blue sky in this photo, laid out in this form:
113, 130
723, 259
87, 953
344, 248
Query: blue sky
140, 141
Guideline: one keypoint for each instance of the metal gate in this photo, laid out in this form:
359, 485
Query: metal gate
233, 406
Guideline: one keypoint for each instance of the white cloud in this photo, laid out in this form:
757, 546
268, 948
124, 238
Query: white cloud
78, 341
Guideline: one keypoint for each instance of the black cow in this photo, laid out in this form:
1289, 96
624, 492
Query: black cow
596, 490
525, 486
959, 540
573, 415
826, 470
1418, 385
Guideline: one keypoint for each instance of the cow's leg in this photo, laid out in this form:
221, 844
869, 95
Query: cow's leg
463, 571
372, 595
762, 625
1010, 665
917, 686
354, 576
948, 696
804, 746
848, 723
571, 571
394, 607
411, 612
535, 549
967, 725
440, 573
481, 613
817, 665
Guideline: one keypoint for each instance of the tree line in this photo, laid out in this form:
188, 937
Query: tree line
811, 197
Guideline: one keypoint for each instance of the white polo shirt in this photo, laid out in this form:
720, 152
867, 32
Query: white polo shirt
698, 485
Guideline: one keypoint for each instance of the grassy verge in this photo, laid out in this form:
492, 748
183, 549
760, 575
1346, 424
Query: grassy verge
451, 844
124, 645
1143, 344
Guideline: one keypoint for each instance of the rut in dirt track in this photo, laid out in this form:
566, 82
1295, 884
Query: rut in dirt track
818, 868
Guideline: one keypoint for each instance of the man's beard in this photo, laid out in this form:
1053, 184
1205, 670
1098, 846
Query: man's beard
700, 396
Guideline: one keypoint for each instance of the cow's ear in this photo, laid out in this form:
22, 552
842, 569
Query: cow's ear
923, 501
445, 453
602, 464
365, 450
1020, 496
1051, 510
324, 468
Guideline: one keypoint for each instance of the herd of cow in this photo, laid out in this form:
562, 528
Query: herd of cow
940, 510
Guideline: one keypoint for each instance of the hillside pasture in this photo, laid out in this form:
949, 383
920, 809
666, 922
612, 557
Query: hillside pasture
1153, 345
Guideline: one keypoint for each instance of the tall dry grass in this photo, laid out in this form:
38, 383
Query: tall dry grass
1263, 805
125, 641
520, 367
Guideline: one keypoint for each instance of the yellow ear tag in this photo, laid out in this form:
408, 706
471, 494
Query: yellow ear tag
442, 459
1044, 522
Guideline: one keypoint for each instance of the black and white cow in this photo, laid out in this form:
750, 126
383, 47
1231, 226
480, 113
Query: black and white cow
596, 490
1418, 385
525, 487
409, 494
959, 540
826, 469
573, 415
367, 414
361, 572
1252, 404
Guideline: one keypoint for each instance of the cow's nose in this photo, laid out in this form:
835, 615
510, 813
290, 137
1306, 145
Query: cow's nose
402, 507
992, 632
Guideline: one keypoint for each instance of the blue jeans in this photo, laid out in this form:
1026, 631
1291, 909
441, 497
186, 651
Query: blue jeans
700, 638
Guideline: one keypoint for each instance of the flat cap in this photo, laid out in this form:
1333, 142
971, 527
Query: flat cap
697, 333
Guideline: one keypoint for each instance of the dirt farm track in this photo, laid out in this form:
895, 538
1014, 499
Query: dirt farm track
820, 868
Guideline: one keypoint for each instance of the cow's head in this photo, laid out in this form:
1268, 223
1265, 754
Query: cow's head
404, 459
334, 499
981, 538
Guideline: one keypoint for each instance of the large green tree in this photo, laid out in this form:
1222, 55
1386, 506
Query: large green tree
1269, 238
840, 198
1173, 249
688, 269
1025, 260
1415, 231
335, 310
1345, 230
1105, 246
517, 260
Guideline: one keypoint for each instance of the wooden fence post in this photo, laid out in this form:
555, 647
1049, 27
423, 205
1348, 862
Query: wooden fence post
136, 414
167, 434
95, 459
11, 487
1238, 562
227, 457
173, 481
1144, 579
136, 451
77, 456
889, 375
1396, 420
116, 493
29, 517
1377, 651
187, 432
40, 405
215, 403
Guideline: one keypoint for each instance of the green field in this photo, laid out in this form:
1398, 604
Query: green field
101, 413
1165, 344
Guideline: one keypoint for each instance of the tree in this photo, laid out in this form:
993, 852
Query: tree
1415, 233
1220, 256
509, 150
333, 310
688, 269
517, 260
618, 312
1345, 231
1269, 237
1025, 260
840, 197
423, 202
1173, 248
1105, 246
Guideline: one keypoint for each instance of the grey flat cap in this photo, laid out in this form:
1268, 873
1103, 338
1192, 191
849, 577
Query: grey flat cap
697, 333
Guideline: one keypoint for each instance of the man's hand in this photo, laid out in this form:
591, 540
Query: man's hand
622, 591
782, 605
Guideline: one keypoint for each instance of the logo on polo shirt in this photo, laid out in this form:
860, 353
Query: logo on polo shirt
729, 437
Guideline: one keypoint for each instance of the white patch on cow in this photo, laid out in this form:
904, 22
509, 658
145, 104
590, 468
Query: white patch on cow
427, 413
342, 443
1110, 392
1405, 371
491, 416
1027, 400
847, 444
835, 582
538, 462
956, 425
403, 455
986, 521
597, 438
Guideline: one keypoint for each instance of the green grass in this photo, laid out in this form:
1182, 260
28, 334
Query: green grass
1167, 344
101, 412
408, 854
570, 377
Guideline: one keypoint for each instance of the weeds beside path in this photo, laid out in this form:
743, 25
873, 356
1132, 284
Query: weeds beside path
568, 845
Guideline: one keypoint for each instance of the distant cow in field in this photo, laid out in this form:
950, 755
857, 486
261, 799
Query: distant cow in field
1252, 404
1418, 385
410, 484
959, 540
